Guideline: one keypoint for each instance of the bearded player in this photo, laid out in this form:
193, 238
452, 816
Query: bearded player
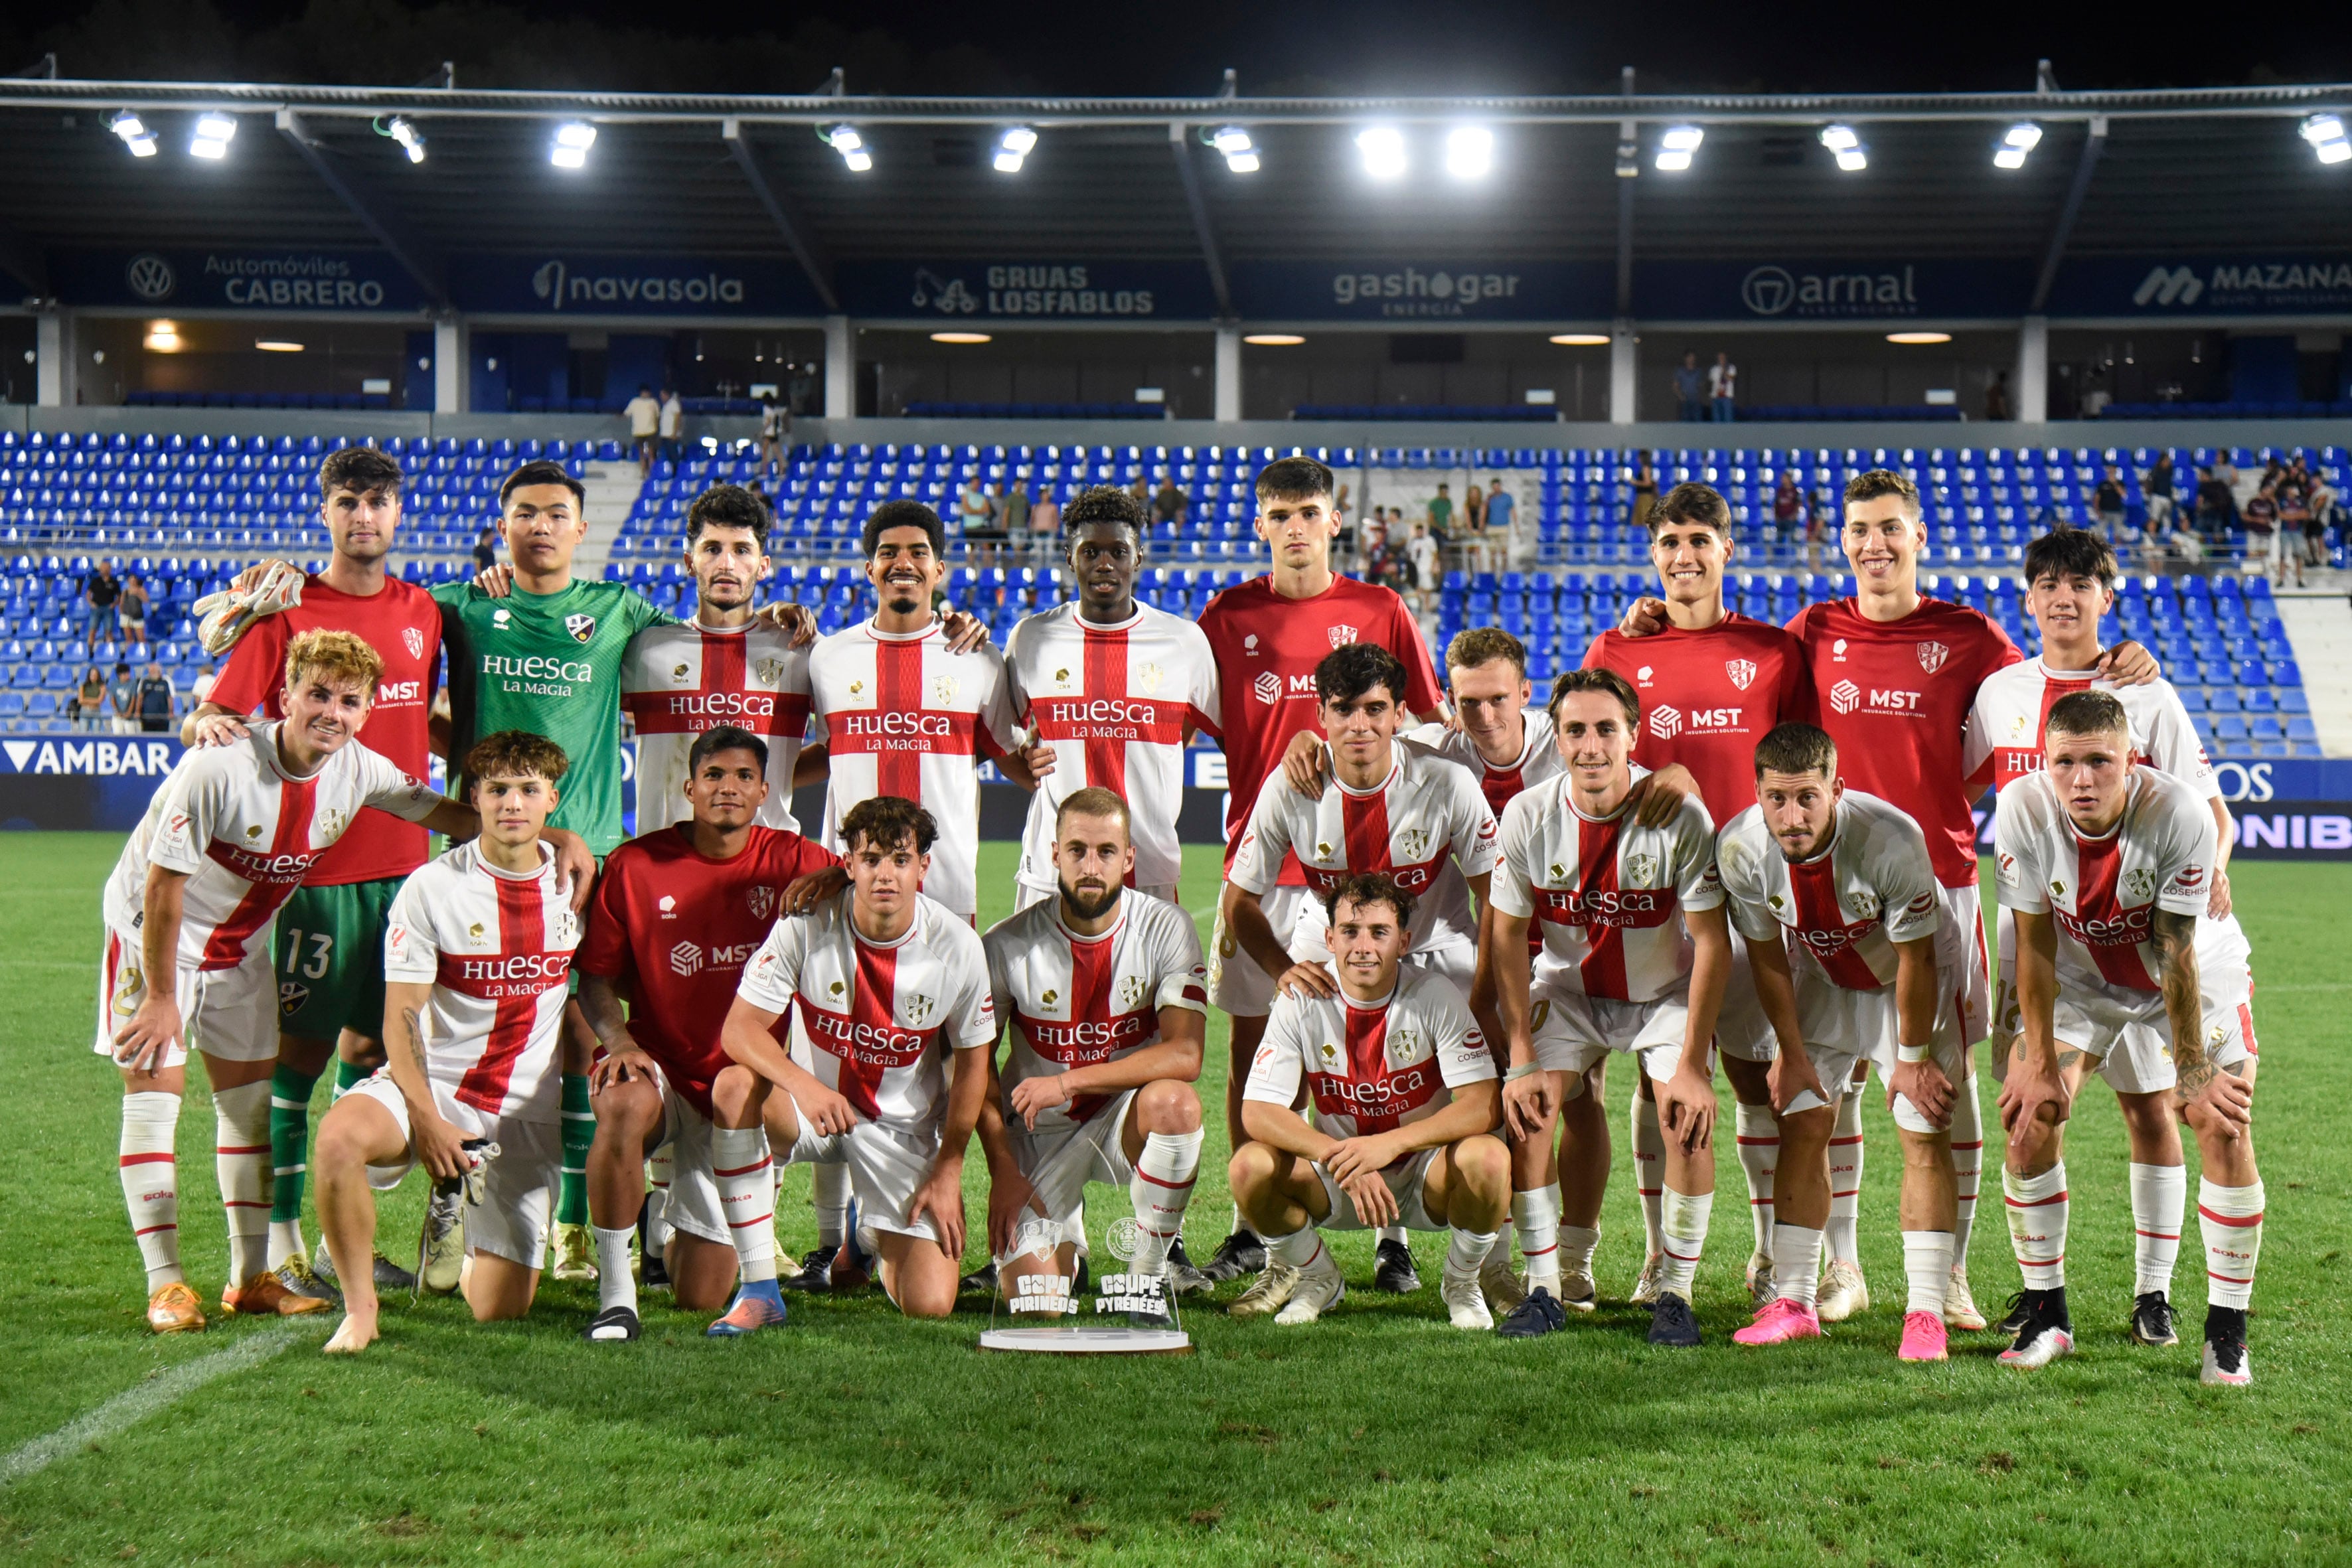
1403, 1088
2104, 865
892, 992
1105, 998
1267, 635
1712, 682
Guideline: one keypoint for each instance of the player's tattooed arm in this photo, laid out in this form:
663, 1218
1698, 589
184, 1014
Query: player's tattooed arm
2217, 903
2223, 1095
625, 1060
439, 1147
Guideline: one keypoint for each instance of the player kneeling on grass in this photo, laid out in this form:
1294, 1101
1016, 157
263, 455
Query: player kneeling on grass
894, 997
2106, 868
1107, 1000
676, 913
477, 956
1403, 1092
1846, 876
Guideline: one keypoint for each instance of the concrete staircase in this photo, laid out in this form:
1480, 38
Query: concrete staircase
2320, 628
612, 490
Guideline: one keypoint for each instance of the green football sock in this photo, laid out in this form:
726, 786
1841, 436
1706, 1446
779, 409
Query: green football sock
349, 1075
579, 1131
289, 1140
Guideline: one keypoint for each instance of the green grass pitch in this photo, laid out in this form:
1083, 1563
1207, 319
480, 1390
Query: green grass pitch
1379, 1435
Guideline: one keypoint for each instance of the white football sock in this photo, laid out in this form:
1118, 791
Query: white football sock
1683, 1232
1395, 1233
1796, 1264
1466, 1254
660, 1171
241, 1161
151, 1183
747, 1198
1758, 1133
1649, 1170
1296, 1251
1576, 1245
1846, 1180
1967, 1164
1504, 1240
1536, 1215
1159, 1189
615, 1286
1928, 1266
2159, 1194
2231, 1219
2037, 1225
829, 1196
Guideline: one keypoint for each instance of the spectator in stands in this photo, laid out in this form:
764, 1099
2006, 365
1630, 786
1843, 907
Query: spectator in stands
1997, 397
1690, 390
202, 687
1141, 492
1788, 506
1440, 525
157, 704
1423, 553
2107, 500
1502, 512
2294, 524
2156, 489
775, 429
2216, 506
1473, 528
130, 611
122, 701
644, 415
1046, 517
99, 591
1169, 504
2095, 395
2321, 500
89, 710
2261, 516
1817, 526
1013, 510
973, 509
1645, 488
486, 549
673, 427
1722, 387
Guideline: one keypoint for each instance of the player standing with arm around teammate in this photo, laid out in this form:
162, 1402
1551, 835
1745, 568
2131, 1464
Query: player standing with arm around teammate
1105, 998
2104, 866
893, 993
1267, 635
1634, 957
1403, 1088
1846, 876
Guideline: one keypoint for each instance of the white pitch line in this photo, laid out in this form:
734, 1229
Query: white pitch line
133, 1405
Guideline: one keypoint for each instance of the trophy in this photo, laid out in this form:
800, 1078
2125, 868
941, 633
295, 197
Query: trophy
1046, 1303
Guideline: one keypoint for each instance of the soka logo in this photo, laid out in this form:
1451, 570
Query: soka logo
2169, 286
1267, 689
1741, 670
555, 283
412, 639
1844, 697
150, 277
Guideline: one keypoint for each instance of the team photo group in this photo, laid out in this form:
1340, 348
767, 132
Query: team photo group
1727, 850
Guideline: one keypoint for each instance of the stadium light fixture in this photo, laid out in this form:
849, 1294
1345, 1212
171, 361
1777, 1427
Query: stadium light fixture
1581, 340
1675, 147
212, 134
401, 129
1012, 147
135, 133
2015, 143
1853, 157
277, 345
573, 139
846, 140
2325, 135
164, 338
1384, 150
963, 338
1469, 152
1274, 339
1920, 337
1241, 152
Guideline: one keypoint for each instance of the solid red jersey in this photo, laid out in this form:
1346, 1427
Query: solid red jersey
1895, 697
403, 624
1266, 648
672, 928
1708, 697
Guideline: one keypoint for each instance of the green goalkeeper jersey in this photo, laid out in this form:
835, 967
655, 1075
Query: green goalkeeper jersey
550, 663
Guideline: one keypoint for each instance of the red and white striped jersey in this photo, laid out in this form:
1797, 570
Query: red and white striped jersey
1844, 910
881, 1015
1426, 824
1607, 894
1371, 1066
1538, 763
2104, 891
904, 716
1114, 702
2014, 704
1078, 1001
244, 831
497, 948
684, 678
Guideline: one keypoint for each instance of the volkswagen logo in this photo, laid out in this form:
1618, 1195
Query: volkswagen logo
1768, 290
150, 277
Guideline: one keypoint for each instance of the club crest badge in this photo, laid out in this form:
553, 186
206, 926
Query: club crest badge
291, 995
1130, 993
2139, 884
1413, 843
770, 670
412, 639
944, 689
1341, 635
918, 1009
1932, 656
760, 900
582, 628
1742, 672
1150, 677
1640, 866
1404, 1045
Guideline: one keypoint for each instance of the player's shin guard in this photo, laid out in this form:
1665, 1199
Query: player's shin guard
2231, 1219
241, 1160
2037, 1225
579, 1131
1758, 1133
1649, 1169
1928, 1266
615, 1286
1682, 1234
829, 1196
746, 1196
289, 1148
1845, 1179
1536, 1215
151, 1183
1967, 1162
1797, 1264
349, 1075
1160, 1188
2159, 1194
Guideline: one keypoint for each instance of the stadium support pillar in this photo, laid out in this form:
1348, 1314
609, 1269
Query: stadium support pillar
840, 369
1620, 372
451, 381
2033, 369
53, 347
1229, 374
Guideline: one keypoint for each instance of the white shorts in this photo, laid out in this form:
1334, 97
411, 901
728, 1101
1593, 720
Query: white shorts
1060, 1160
518, 1187
2132, 1047
1740, 1027
886, 1166
1404, 1180
693, 1204
1963, 984
1238, 986
1027, 894
1572, 1031
1846, 1031
231, 1014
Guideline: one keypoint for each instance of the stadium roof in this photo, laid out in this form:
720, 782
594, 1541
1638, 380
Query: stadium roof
2120, 174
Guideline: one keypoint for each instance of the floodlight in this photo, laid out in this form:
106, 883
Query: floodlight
2015, 143
412, 142
1384, 150
1015, 145
846, 140
1241, 152
2325, 135
212, 134
1851, 157
573, 139
1675, 147
1469, 151
135, 133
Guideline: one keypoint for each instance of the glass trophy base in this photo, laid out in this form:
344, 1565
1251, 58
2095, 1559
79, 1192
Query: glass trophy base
1089, 1339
